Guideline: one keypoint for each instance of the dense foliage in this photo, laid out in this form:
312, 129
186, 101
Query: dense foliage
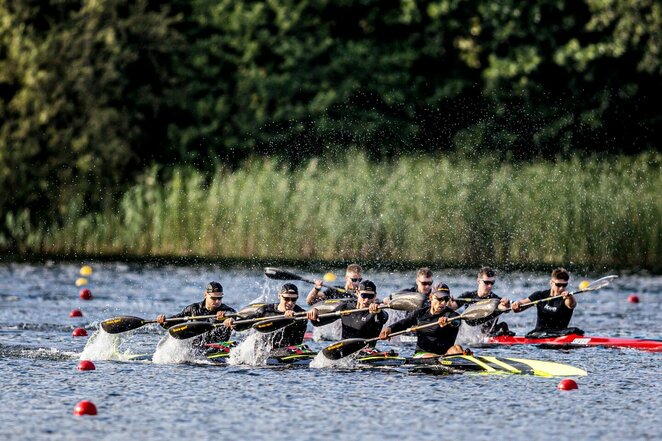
94, 92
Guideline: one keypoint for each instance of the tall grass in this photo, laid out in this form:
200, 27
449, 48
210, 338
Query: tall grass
597, 212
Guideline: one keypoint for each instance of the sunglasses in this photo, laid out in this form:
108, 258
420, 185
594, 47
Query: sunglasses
425, 283
215, 299
561, 285
356, 279
367, 295
290, 299
488, 282
442, 299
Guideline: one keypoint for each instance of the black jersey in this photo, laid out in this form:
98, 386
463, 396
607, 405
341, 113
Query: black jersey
216, 335
359, 324
553, 315
290, 335
435, 339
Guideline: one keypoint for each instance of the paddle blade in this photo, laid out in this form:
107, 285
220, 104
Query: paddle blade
189, 330
267, 326
600, 283
344, 348
120, 324
251, 311
280, 274
480, 310
406, 301
331, 305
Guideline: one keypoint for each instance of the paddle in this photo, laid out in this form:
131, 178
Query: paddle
408, 301
117, 325
343, 348
593, 286
281, 274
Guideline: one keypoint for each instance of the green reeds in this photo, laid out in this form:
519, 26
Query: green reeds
442, 209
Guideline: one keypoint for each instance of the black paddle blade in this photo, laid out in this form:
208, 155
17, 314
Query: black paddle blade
267, 326
190, 329
344, 348
251, 311
280, 274
117, 325
331, 305
406, 301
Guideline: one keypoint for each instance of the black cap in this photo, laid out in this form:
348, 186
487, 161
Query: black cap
289, 288
214, 287
441, 290
367, 285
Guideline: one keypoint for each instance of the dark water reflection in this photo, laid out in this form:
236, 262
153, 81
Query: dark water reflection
40, 385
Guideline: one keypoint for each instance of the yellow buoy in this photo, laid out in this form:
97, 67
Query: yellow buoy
81, 281
86, 270
329, 277
584, 284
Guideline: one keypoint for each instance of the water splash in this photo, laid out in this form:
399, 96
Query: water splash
469, 335
253, 351
321, 362
103, 346
330, 332
170, 350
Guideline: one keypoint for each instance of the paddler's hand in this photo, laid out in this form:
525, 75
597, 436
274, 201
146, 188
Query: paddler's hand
516, 307
504, 304
443, 321
373, 308
220, 315
289, 313
229, 323
385, 333
160, 319
569, 299
312, 315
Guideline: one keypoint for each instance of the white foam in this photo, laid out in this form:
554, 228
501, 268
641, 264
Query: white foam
321, 362
170, 350
102, 346
253, 351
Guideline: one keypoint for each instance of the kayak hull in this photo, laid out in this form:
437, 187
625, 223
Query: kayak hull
579, 341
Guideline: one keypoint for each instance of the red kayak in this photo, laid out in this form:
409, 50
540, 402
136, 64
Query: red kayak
576, 341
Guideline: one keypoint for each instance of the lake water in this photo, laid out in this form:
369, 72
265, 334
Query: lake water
619, 399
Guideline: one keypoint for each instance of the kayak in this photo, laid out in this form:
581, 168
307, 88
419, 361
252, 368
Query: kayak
432, 363
578, 341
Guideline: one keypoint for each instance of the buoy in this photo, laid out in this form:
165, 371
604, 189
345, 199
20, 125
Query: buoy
584, 284
76, 313
81, 281
79, 332
633, 298
567, 384
329, 277
86, 270
86, 365
85, 294
85, 408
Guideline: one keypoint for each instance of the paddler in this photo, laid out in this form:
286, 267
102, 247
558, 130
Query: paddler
554, 315
290, 335
486, 280
367, 324
212, 304
352, 279
439, 340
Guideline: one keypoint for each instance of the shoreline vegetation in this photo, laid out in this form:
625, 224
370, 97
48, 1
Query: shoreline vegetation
591, 212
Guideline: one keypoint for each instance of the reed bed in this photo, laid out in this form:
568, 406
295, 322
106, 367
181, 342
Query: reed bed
600, 212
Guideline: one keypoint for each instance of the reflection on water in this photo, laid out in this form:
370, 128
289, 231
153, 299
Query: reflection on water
173, 396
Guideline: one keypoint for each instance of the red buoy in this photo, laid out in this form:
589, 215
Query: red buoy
85, 365
633, 298
85, 408
567, 384
79, 332
76, 313
85, 294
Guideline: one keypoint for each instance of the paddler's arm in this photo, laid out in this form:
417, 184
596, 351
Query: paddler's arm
569, 300
519, 305
316, 294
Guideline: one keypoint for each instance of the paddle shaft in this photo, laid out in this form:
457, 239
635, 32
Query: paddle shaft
279, 274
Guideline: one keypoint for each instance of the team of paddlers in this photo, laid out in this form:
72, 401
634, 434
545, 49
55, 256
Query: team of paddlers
369, 320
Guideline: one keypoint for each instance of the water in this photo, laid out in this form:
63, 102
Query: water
40, 385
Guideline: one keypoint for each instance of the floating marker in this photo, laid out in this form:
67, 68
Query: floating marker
633, 298
81, 281
584, 284
79, 332
85, 294
86, 365
85, 408
329, 277
76, 313
567, 384
86, 270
